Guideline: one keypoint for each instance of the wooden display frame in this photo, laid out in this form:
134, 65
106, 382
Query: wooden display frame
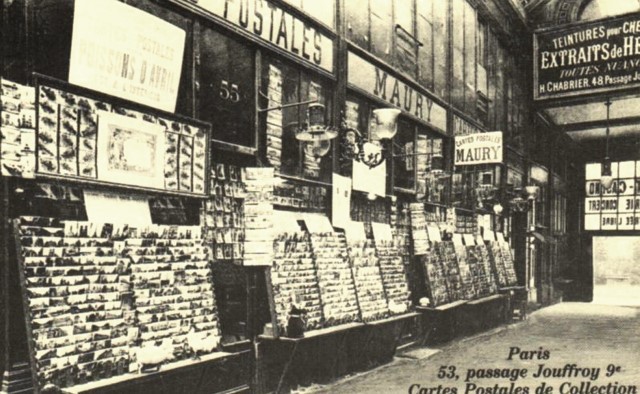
46, 81
15, 227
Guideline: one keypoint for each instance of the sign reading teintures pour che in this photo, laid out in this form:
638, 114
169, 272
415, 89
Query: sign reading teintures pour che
591, 57
479, 148
125, 52
615, 208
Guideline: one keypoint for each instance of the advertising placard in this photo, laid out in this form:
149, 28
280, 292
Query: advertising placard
480, 148
122, 51
599, 56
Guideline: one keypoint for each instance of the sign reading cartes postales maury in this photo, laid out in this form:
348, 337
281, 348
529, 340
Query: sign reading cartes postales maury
591, 57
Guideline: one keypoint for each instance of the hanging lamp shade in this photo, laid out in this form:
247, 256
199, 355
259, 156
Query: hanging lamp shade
385, 123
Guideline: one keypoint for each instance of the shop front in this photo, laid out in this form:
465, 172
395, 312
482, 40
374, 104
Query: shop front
254, 203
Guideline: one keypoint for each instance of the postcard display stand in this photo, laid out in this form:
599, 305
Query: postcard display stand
335, 278
99, 297
502, 262
394, 277
366, 271
96, 295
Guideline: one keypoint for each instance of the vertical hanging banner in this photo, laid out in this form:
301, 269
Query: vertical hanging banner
122, 51
341, 201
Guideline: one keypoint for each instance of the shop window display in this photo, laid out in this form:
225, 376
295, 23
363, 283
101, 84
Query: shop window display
106, 299
285, 84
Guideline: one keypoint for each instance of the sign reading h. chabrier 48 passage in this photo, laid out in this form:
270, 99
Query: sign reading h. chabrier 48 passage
592, 57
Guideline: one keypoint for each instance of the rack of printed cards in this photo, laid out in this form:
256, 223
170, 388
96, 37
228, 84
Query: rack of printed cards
109, 299
501, 259
327, 278
456, 269
17, 129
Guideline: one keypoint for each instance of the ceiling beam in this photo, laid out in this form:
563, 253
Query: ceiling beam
630, 120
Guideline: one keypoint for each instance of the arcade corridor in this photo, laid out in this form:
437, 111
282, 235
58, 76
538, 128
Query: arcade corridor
588, 335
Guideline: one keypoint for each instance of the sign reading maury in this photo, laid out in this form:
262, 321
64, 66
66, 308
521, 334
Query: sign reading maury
273, 24
480, 148
125, 52
385, 86
591, 57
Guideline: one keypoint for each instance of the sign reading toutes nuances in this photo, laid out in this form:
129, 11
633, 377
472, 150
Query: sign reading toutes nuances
616, 208
592, 57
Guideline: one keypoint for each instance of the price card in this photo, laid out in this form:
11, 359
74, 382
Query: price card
457, 239
434, 233
354, 232
489, 235
381, 231
318, 224
469, 239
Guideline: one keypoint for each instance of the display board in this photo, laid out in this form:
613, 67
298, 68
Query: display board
224, 214
435, 278
367, 276
17, 131
99, 297
615, 208
294, 281
80, 136
466, 278
335, 279
447, 254
394, 277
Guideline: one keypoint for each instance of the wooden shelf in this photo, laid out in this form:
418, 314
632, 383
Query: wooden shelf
315, 333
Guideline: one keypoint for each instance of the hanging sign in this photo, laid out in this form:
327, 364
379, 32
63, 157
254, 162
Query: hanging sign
591, 57
271, 23
122, 51
480, 148
341, 201
615, 208
381, 84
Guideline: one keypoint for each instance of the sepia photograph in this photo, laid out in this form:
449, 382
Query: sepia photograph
319, 196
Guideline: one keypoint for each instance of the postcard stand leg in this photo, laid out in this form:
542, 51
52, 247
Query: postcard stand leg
17, 362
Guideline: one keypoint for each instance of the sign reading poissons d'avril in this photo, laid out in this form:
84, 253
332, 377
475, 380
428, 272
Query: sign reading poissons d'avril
479, 148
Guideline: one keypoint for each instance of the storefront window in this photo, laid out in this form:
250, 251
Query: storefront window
404, 156
226, 94
286, 84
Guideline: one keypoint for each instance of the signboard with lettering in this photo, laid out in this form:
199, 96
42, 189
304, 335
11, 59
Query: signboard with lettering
125, 52
462, 127
381, 84
479, 148
615, 208
273, 24
591, 57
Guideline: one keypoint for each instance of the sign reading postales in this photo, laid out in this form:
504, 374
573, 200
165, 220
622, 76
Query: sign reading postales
379, 83
592, 57
271, 23
479, 148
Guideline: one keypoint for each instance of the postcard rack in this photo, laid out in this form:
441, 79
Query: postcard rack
96, 295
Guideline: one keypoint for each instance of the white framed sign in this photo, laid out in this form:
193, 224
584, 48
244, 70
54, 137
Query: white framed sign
618, 207
130, 151
479, 148
125, 52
